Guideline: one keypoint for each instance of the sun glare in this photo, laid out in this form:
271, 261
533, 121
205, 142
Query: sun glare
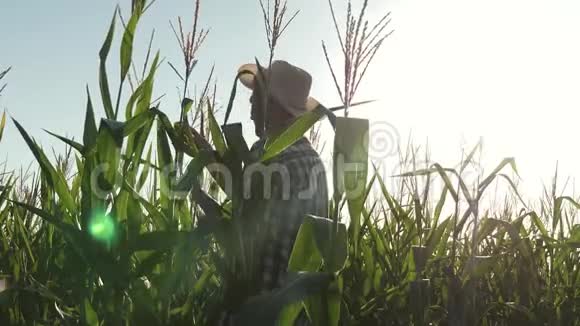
102, 228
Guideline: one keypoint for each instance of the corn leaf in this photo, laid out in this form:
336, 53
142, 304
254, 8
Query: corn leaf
79, 147
55, 179
90, 131
186, 105
103, 79
351, 167
234, 136
292, 134
2, 125
216, 132
89, 315
265, 309
159, 240
127, 45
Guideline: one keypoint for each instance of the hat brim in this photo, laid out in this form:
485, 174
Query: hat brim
248, 73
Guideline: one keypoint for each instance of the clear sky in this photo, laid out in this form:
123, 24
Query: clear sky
454, 70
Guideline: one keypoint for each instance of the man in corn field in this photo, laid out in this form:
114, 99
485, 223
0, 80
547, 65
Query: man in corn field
293, 183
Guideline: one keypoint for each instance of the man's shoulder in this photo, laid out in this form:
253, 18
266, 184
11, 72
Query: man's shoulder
302, 148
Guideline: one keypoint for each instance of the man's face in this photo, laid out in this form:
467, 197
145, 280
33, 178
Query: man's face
257, 114
272, 120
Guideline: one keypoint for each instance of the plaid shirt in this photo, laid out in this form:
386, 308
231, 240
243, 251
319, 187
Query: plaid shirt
298, 187
288, 187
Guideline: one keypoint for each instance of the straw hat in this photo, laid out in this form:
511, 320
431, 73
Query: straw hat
288, 85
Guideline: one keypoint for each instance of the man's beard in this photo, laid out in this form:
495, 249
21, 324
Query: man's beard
258, 131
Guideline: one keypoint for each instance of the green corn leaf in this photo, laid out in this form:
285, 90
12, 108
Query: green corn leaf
145, 171
487, 181
187, 140
142, 162
90, 132
121, 209
157, 216
265, 309
159, 240
341, 107
306, 256
144, 100
165, 163
377, 243
138, 122
2, 125
292, 134
230, 162
147, 265
4, 189
438, 169
55, 179
89, 315
436, 239
233, 96
513, 230
216, 132
464, 189
103, 79
539, 224
89, 202
137, 93
109, 144
511, 306
324, 308
318, 242
189, 180
24, 235
369, 265
560, 201
314, 245
395, 207
127, 45
439, 207
173, 280
210, 207
424, 172
351, 167
234, 136
73, 234
202, 281
447, 181
558, 209
514, 188
486, 228
416, 173
142, 123
470, 156
478, 266
144, 310
79, 147
186, 105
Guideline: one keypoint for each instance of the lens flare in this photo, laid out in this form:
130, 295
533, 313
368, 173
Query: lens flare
102, 228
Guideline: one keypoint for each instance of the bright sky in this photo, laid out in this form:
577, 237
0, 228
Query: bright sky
454, 70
